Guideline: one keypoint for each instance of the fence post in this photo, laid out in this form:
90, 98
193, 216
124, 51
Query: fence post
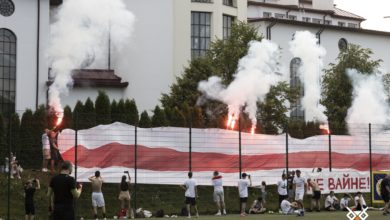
135, 165
75, 160
239, 146
9, 169
330, 150
286, 150
190, 148
370, 154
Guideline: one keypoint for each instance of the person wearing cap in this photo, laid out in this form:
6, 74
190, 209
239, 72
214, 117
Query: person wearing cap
300, 189
315, 199
243, 185
62, 191
385, 191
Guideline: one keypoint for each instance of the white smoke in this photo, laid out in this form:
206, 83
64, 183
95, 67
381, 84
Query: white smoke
305, 46
79, 38
256, 73
369, 103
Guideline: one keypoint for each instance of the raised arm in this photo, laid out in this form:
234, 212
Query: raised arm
38, 184
77, 192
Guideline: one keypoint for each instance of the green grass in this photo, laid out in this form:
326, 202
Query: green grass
150, 197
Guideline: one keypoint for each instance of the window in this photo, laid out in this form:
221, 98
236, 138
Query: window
229, 3
202, 1
227, 25
317, 21
7, 71
200, 33
267, 14
306, 19
296, 108
280, 16
352, 25
341, 24
7, 8
343, 44
292, 17
328, 22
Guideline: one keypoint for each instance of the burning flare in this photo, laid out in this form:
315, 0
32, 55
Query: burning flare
231, 122
253, 129
325, 128
60, 117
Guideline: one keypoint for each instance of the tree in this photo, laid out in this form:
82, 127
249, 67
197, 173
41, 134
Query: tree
103, 108
121, 111
78, 115
131, 112
13, 135
89, 114
68, 118
3, 143
158, 118
145, 121
114, 111
337, 87
174, 117
31, 156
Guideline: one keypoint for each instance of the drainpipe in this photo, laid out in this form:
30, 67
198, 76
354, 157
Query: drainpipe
318, 34
324, 18
288, 11
37, 52
269, 29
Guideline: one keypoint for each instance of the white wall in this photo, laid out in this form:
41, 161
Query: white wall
323, 4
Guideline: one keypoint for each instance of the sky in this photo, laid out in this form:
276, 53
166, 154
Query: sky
372, 10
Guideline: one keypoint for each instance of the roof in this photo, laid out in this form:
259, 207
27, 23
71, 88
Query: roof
315, 25
335, 13
95, 78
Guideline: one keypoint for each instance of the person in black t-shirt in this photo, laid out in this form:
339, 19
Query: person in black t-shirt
290, 184
62, 191
29, 189
385, 190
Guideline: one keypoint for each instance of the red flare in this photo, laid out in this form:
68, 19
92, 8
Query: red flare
253, 129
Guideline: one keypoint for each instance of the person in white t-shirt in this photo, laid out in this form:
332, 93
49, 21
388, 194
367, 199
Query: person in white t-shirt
300, 189
344, 202
360, 203
331, 201
243, 185
45, 150
287, 207
218, 193
282, 188
190, 194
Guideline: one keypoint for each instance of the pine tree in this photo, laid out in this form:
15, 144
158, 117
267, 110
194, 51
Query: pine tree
145, 121
3, 145
68, 118
121, 111
131, 112
103, 108
31, 156
89, 114
114, 111
78, 116
158, 118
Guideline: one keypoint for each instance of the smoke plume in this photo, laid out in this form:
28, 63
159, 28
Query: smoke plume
369, 103
256, 73
79, 38
305, 46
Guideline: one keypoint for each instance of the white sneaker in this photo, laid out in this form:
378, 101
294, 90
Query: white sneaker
224, 212
44, 170
189, 216
218, 213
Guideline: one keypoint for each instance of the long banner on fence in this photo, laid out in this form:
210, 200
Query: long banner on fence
164, 155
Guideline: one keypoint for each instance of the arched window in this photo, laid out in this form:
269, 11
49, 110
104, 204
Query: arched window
297, 111
7, 71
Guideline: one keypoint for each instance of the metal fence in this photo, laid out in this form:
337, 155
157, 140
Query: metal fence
159, 158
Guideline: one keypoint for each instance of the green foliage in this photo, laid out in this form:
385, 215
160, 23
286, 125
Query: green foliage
300, 129
31, 156
337, 87
131, 112
158, 118
78, 113
145, 121
121, 111
68, 118
89, 114
174, 117
3, 145
103, 108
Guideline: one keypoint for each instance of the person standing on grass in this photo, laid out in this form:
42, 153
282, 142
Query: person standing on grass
45, 150
62, 191
290, 184
29, 189
282, 189
315, 199
385, 191
97, 195
191, 194
300, 189
124, 195
243, 185
218, 193
55, 154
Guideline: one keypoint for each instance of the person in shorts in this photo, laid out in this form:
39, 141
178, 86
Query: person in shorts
243, 185
45, 150
97, 195
55, 154
218, 194
29, 189
385, 191
290, 184
190, 194
287, 207
300, 189
315, 199
331, 202
282, 189
124, 195
257, 207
